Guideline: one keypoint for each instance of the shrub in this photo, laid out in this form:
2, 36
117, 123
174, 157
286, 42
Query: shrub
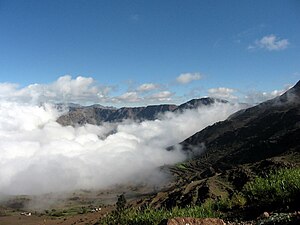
282, 186
150, 216
237, 200
121, 203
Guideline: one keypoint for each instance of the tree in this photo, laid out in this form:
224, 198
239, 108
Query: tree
121, 203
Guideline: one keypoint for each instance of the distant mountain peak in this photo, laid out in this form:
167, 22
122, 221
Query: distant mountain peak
96, 114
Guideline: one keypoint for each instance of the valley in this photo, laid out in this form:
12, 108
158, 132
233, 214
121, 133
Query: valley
253, 142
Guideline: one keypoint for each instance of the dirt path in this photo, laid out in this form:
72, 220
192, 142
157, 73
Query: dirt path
80, 219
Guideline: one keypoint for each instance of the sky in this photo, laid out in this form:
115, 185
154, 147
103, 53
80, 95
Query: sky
147, 52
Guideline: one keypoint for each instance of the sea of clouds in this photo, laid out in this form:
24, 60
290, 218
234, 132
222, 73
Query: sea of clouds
38, 155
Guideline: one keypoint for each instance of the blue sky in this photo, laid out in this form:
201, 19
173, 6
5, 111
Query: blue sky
222, 48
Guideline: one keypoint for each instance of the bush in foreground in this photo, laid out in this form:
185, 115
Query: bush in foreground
280, 187
150, 216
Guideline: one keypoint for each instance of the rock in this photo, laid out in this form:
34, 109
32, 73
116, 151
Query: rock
192, 221
265, 215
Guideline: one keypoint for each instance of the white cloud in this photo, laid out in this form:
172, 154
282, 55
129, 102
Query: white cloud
64, 89
147, 87
82, 90
254, 97
131, 96
250, 97
222, 93
162, 96
270, 43
186, 78
38, 155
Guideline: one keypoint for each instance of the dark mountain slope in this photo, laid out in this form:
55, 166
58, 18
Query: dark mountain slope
139, 113
151, 112
265, 130
250, 142
82, 115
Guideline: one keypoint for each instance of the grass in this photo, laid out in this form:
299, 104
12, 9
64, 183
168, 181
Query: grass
150, 216
237, 200
282, 186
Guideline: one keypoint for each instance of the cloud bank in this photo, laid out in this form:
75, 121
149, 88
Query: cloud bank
87, 91
38, 155
82, 90
64, 89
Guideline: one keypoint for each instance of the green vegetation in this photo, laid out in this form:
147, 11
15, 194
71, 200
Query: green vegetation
121, 203
150, 216
181, 166
237, 200
280, 187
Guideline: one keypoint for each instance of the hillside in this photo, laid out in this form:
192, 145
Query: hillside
253, 134
249, 143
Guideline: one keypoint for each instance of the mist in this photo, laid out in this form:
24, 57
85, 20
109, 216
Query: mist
38, 155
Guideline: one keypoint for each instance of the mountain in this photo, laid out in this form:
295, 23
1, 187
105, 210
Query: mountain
250, 142
97, 114
249, 135
140, 113
78, 115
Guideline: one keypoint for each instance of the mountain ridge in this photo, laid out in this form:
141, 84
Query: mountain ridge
97, 114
